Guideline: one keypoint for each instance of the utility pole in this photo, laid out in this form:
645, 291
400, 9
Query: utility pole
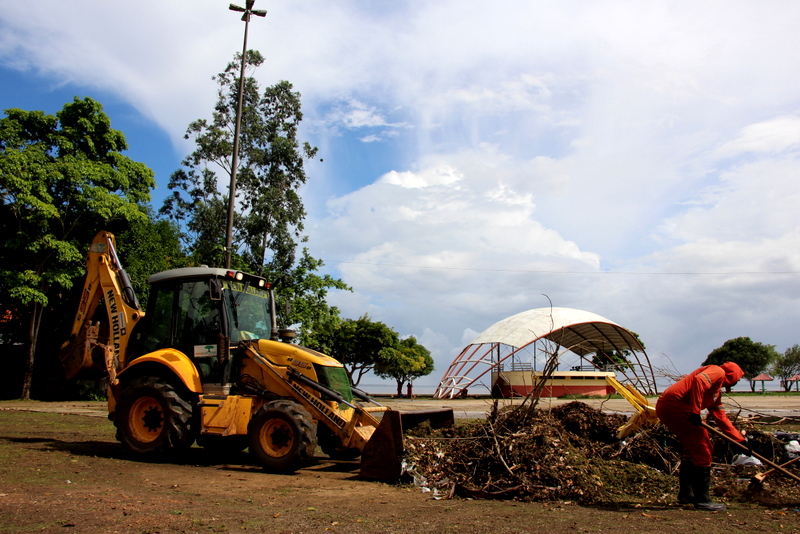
248, 10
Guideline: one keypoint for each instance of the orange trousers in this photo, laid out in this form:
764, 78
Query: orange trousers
696, 443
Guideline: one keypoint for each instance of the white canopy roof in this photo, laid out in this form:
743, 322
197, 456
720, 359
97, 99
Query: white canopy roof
581, 332
577, 331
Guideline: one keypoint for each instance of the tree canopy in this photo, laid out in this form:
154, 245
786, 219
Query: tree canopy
753, 357
62, 179
614, 359
270, 212
786, 366
268, 222
357, 343
404, 362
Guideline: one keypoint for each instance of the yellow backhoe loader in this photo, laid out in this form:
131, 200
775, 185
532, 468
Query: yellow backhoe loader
207, 363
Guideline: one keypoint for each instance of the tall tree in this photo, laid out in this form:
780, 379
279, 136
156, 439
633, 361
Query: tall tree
62, 178
404, 362
271, 170
753, 357
268, 223
786, 366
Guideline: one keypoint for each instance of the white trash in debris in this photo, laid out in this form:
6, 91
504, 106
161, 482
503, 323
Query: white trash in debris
743, 459
793, 447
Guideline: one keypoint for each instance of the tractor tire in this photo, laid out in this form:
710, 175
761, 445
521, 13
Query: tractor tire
154, 418
282, 436
332, 445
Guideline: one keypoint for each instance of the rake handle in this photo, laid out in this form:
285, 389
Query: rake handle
768, 462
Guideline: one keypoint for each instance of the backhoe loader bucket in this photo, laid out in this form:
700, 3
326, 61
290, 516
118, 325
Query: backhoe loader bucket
83, 352
383, 454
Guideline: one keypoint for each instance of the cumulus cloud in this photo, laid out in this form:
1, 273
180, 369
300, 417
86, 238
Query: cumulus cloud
616, 157
441, 246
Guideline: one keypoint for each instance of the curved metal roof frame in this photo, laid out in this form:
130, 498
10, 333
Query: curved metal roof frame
578, 331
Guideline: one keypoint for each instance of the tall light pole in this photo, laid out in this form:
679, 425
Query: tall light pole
248, 10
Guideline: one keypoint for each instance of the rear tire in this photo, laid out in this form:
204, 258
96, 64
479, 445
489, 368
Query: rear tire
153, 417
282, 436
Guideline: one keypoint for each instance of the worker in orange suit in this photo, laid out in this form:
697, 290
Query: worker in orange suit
679, 408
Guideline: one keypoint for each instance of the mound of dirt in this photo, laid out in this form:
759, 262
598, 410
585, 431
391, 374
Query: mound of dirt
569, 453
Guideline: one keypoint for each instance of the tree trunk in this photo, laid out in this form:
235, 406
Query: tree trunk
356, 380
33, 334
400, 388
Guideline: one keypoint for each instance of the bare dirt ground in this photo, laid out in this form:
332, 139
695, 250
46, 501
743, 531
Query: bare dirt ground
61, 470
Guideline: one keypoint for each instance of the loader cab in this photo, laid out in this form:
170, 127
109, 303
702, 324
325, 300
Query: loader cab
203, 312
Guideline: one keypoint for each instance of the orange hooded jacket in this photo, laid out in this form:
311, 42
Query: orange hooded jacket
702, 389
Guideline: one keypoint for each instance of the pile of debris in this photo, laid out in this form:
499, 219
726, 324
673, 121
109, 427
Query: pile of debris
568, 453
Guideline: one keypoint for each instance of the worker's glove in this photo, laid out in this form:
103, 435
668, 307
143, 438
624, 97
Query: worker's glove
695, 419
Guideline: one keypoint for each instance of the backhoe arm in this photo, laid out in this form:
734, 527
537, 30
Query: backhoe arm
101, 347
645, 412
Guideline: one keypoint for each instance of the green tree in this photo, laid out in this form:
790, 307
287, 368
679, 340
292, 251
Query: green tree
786, 366
271, 170
602, 359
300, 296
620, 359
62, 179
404, 362
268, 223
357, 343
753, 357
149, 246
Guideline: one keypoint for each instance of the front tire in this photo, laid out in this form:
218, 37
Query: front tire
154, 417
282, 436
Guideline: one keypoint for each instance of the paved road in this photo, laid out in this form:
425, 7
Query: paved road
470, 408
779, 406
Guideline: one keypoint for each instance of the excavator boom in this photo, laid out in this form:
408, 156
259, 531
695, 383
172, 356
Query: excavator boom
99, 347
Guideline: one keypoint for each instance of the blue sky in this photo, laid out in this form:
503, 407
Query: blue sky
638, 160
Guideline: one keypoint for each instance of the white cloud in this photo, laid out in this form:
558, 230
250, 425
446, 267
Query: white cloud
372, 138
355, 114
775, 135
751, 202
532, 146
444, 175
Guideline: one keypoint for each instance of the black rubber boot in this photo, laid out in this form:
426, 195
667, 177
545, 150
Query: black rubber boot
701, 484
685, 479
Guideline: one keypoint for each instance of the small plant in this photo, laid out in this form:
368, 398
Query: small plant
89, 391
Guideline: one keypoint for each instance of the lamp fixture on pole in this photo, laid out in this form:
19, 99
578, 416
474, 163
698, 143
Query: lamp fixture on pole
248, 10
